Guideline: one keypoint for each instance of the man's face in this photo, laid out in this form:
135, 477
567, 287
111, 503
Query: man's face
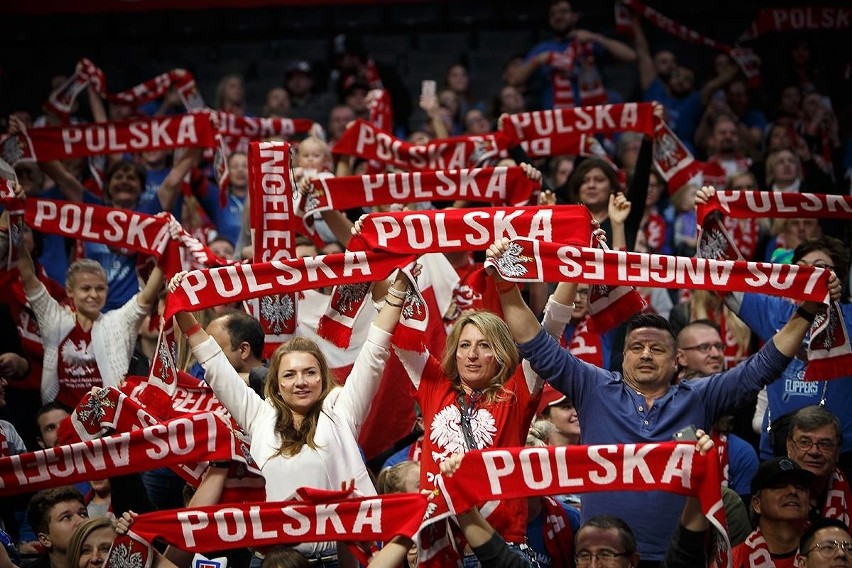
561, 18
64, 517
337, 121
299, 84
649, 357
682, 81
48, 427
664, 63
819, 461
594, 540
726, 139
787, 500
217, 330
701, 350
826, 556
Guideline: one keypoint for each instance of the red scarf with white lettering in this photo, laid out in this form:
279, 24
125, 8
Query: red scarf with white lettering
745, 58
238, 131
567, 131
754, 552
320, 516
500, 186
558, 534
829, 348
62, 99
838, 499
188, 439
134, 135
273, 225
610, 306
364, 140
528, 260
673, 159
381, 111
771, 20
720, 442
586, 343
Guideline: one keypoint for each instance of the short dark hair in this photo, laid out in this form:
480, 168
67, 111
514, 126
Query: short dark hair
38, 510
654, 321
50, 406
575, 180
281, 556
809, 418
832, 247
122, 165
806, 541
625, 533
241, 327
700, 322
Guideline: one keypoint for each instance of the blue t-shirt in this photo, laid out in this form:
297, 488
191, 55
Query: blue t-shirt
742, 465
54, 255
120, 267
228, 220
683, 114
535, 532
540, 78
767, 314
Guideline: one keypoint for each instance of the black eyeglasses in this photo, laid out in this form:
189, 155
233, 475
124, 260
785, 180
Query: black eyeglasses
604, 557
706, 347
828, 548
805, 444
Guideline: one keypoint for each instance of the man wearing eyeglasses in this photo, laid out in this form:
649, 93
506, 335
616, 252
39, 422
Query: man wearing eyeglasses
780, 501
826, 544
608, 541
814, 441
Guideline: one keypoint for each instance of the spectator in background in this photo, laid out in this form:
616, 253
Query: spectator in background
55, 514
305, 101
754, 121
228, 220
277, 103
338, 118
457, 80
355, 97
725, 151
230, 94
509, 101
475, 122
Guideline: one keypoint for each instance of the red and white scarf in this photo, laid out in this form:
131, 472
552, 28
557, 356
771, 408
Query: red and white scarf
15, 208
673, 159
273, 224
500, 186
558, 534
839, 498
745, 58
315, 518
381, 110
191, 438
771, 20
829, 348
754, 552
364, 140
87, 73
4, 443
720, 442
586, 343
570, 131
238, 131
590, 86
610, 306
528, 260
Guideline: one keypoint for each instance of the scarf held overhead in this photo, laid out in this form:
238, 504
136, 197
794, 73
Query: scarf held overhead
527, 260
500, 186
776, 204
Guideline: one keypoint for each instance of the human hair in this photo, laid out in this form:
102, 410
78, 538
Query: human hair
220, 88
38, 510
292, 438
772, 159
832, 247
241, 327
806, 540
81, 533
123, 166
391, 479
698, 323
584, 167
539, 433
810, 418
86, 265
50, 406
654, 321
314, 140
497, 335
605, 522
280, 556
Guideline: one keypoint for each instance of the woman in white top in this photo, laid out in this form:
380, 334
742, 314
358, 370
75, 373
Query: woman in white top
304, 434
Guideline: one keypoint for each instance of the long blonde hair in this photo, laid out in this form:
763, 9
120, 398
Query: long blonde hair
81, 533
497, 334
293, 438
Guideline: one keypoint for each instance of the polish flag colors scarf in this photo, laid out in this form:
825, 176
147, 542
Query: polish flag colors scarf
273, 228
238, 131
316, 518
673, 160
452, 230
363, 140
191, 438
610, 306
15, 208
829, 348
499, 186
87, 73
135, 135
528, 260
771, 20
381, 110
201, 289
561, 131
838, 498
589, 85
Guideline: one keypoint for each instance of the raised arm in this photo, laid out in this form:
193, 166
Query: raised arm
521, 321
620, 51
168, 190
647, 71
519, 75
148, 294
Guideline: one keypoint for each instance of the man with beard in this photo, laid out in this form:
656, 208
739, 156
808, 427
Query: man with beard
725, 152
814, 441
537, 65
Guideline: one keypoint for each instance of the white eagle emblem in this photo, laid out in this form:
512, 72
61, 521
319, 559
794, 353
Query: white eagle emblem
446, 432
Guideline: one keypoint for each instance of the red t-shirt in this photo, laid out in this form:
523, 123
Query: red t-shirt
503, 423
745, 556
77, 369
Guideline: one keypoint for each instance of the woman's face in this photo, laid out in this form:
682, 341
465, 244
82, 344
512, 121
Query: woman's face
475, 358
457, 79
581, 302
88, 292
411, 479
93, 553
786, 168
595, 189
299, 381
238, 170
563, 172
743, 183
564, 417
125, 188
234, 91
655, 190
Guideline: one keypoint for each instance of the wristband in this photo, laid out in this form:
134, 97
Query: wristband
504, 287
389, 303
193, 330
805, 314
396, 293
